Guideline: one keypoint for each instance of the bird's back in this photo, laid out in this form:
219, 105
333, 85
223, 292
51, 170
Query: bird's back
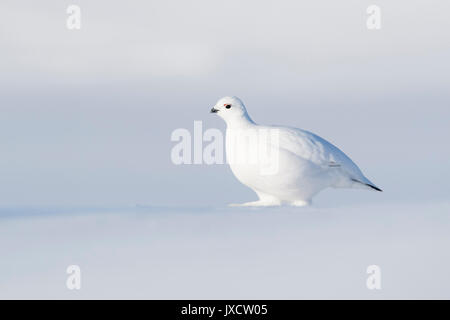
320, 152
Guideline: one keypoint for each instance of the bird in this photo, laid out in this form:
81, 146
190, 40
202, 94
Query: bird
283, 165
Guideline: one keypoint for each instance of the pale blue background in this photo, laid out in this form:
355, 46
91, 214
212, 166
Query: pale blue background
86, 118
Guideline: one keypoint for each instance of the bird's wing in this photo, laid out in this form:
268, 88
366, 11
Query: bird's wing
313, 148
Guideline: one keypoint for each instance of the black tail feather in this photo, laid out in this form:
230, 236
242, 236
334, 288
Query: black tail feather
373, 187
369, 185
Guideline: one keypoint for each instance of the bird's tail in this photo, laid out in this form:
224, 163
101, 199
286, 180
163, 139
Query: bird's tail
367, 184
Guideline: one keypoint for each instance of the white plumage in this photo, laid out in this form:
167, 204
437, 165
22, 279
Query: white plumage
288, 165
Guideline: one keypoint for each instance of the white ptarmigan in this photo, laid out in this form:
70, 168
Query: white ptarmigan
283, 165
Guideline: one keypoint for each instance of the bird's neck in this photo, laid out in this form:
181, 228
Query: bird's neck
242, 122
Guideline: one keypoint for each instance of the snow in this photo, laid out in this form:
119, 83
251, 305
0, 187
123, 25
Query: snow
208, 253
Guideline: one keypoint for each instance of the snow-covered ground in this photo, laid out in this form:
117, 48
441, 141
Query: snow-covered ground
190, 253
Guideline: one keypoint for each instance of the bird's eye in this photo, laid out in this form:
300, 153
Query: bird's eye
228, 106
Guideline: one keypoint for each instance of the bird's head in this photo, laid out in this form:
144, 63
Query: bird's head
230, 109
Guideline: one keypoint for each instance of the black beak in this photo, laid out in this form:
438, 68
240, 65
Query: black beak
214, 110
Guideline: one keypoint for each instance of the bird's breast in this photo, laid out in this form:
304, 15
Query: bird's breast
253, 154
